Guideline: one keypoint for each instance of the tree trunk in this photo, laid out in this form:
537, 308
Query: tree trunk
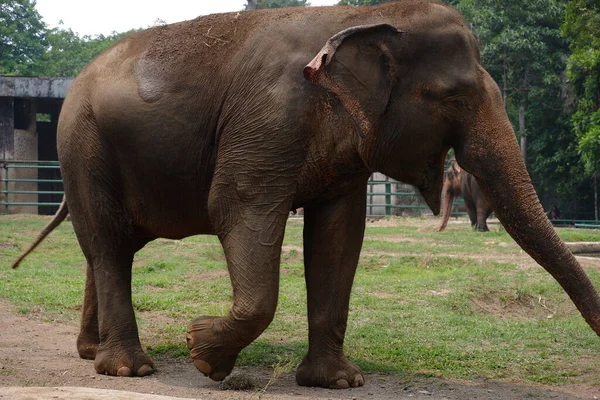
504, 82
596, 195
523, 133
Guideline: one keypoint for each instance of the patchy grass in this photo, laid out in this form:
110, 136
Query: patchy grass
457, 304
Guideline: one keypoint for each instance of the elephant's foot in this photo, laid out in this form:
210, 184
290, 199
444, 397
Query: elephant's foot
121, 361
482, 228
87, 347
329, 372
205, 340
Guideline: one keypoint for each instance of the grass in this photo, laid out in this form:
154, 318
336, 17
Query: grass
457, 304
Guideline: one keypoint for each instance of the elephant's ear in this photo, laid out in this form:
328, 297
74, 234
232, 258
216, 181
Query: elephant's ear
357, 66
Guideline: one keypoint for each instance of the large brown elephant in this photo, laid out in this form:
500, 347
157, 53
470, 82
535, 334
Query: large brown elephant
458, 182
223, 124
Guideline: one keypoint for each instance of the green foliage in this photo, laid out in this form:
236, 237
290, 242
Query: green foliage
22, 37
258, 4
28, 47
521, 45
68, 53
362, 2
582, 26
524, 51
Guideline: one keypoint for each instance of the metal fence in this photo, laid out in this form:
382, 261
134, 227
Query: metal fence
26, 185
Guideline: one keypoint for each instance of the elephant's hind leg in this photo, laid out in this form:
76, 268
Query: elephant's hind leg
109, 331
119, 351
89, 334
333, 235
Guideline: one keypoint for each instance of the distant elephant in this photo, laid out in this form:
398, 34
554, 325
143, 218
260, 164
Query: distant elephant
223, 124
458, 182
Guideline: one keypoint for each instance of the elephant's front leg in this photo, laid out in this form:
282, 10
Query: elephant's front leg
333, 235
251, 232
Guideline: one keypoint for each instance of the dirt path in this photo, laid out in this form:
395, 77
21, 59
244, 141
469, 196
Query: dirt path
37, 353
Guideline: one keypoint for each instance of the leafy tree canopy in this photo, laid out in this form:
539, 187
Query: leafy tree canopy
582, 26
22, 37
28, 47
258, 4
362, 2
67, 53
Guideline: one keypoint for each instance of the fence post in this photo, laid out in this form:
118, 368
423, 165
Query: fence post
5, 167
370, 198
388, 197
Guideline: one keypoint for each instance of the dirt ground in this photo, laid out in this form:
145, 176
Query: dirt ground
38, 353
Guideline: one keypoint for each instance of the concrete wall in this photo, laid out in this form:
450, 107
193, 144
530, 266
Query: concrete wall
20, 99
25, 148
34, 87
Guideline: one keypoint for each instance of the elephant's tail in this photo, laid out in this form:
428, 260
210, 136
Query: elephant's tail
59, 217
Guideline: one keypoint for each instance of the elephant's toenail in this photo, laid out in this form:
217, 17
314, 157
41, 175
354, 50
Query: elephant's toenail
124, 371
218, 376
341, 384
145, 370
203, 367
189, 340
358, 381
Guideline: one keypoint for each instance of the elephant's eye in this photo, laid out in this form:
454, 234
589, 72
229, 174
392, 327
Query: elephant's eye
458, 101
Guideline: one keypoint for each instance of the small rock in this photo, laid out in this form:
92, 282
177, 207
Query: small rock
424, 392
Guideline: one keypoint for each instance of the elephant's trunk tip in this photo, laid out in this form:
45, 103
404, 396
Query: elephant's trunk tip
594, 323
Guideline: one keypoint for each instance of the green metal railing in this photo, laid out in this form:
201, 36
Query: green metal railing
389, 206
9, 193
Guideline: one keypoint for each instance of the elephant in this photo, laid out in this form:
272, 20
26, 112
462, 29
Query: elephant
458, 182
223, 124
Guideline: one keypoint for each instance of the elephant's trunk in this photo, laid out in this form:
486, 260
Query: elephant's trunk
447, 200
488, 149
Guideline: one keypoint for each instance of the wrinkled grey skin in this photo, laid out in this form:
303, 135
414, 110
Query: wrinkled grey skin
223, 124
458, 182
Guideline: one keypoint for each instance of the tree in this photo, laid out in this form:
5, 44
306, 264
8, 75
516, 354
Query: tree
582, 27
22, 37
362, 2
67, 53
521, 47
258, 4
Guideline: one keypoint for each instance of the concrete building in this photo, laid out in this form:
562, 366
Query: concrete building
29, 109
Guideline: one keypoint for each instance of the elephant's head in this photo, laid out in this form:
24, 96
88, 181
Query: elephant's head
451, 189
414, 87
